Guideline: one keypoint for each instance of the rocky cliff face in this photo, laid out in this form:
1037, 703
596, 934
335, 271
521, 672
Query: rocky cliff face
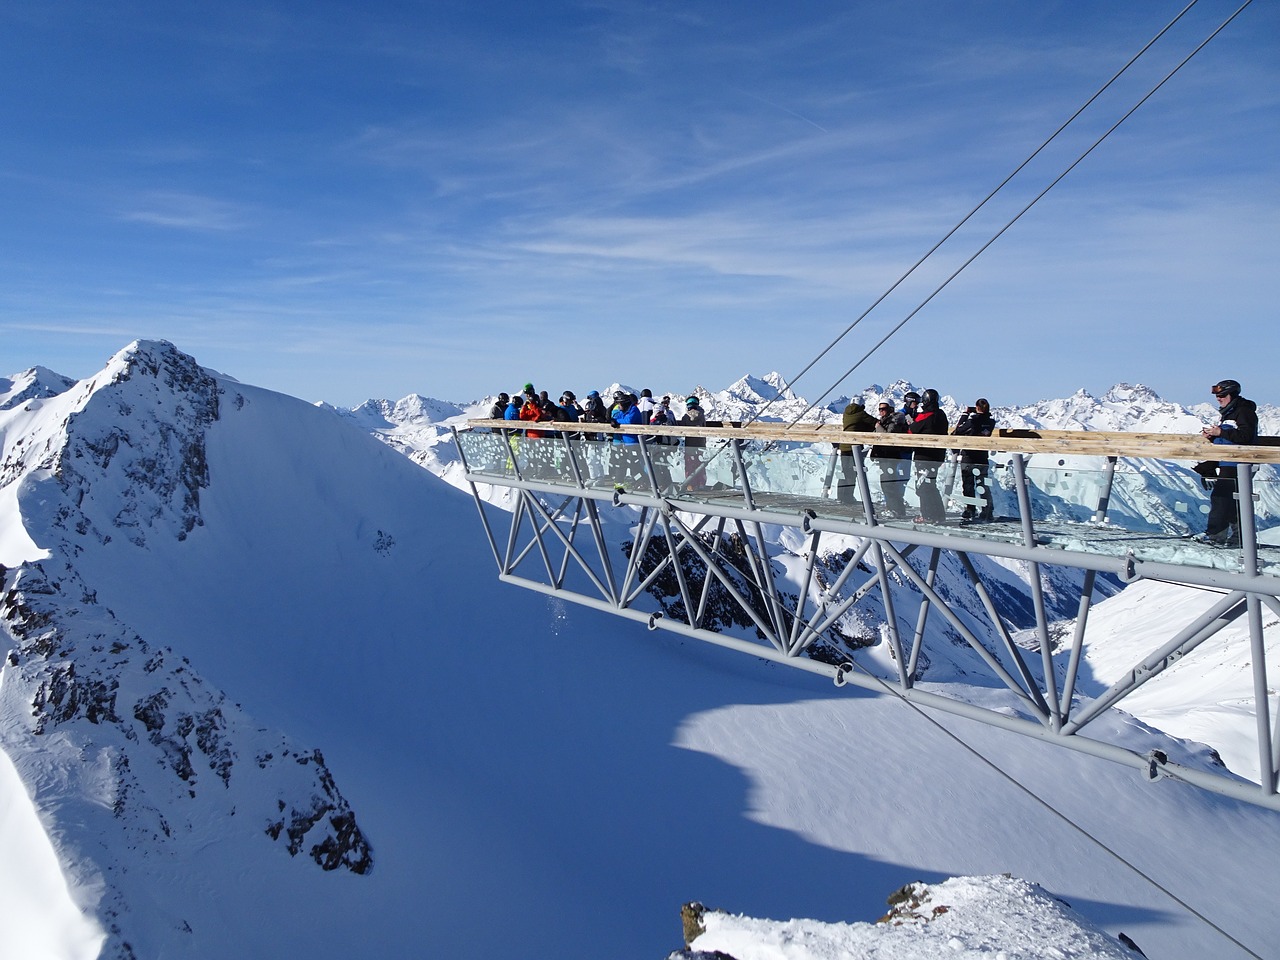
121, 742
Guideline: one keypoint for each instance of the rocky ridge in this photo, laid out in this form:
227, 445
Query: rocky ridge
159, 759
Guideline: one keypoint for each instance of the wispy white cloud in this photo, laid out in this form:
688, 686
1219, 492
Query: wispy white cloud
186, 211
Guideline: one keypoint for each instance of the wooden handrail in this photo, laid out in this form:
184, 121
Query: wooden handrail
1163, 446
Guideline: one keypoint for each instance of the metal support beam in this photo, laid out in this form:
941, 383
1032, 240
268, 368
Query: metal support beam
559, 509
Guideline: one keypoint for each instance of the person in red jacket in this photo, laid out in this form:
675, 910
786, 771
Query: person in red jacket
531, 412
933, 422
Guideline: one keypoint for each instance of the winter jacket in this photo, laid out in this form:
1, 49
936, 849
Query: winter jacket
1239, 425
975, 425
593, 411
694, 417
930, 421
513, 410
856, 419
892, 422
631, 415
532, 413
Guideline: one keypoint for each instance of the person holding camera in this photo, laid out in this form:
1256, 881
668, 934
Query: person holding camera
976, 421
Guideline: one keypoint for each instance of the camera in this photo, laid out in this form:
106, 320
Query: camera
970, 409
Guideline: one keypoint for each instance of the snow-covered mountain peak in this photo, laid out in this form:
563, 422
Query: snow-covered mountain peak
413, 410
36, 383
125, 448
1131, 393
761, 390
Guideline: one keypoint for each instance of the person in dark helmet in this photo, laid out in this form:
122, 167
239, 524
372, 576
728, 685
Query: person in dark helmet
626, 412
569, 407
1237, 424
593, 411
976, 422
930, 421
645, 404
499, 409
694, 469
910, 406
513, 408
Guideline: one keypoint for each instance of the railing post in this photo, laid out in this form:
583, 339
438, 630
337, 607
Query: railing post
736, 446
1104, 496
1037, 593
864, 485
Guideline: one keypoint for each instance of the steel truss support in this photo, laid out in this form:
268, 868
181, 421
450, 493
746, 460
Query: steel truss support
701, 569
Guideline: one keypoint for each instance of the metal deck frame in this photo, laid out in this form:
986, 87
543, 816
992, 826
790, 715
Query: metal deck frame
557, 542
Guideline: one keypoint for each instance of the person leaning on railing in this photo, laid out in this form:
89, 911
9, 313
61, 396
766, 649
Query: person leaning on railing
893, 468
1238, 424
976, 422
854, 419
931, 420
694, 469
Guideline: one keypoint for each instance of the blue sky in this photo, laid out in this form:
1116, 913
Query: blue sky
353, 200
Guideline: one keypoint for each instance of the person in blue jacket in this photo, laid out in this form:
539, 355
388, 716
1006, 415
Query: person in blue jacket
626, 412
1238, 424
625, 464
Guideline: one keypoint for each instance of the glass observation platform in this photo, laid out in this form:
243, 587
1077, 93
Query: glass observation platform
1128, 497
703, 509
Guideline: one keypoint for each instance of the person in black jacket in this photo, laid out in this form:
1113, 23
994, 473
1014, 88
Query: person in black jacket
894, 469
1238, 424
974, 483
931, 420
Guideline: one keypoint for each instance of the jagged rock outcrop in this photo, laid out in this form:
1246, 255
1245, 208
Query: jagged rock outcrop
178, 749
121, 743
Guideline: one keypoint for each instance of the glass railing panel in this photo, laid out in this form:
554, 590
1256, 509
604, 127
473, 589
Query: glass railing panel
1158, 510
700, 471
487, 454
787, 469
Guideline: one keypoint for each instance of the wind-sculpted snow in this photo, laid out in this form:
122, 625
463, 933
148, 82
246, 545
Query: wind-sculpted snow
998, 917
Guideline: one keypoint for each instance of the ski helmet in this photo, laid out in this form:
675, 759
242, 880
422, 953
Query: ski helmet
1226, 388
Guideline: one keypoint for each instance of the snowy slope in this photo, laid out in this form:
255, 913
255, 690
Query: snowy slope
531, 779
966, 917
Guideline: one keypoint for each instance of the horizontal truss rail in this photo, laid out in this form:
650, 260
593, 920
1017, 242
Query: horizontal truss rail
702, 570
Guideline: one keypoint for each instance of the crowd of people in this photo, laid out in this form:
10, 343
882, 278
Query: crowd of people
921, 415
624, 409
